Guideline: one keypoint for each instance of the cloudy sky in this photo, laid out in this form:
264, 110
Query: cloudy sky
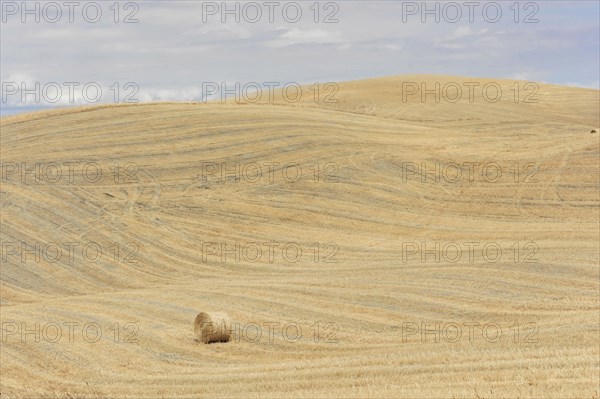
170, 50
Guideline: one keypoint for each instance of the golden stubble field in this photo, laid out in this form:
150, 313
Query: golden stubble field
379, 246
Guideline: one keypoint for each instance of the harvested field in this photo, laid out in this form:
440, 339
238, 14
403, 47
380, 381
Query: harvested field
373, 247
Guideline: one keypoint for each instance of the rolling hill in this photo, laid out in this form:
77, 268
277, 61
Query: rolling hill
380, 245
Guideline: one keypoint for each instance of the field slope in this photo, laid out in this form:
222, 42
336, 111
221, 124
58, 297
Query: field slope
341, 182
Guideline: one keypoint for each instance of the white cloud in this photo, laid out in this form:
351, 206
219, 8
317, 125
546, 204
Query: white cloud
224, 31
20, 78
589, 85
521, 76
307, 36
463, 31
393, 47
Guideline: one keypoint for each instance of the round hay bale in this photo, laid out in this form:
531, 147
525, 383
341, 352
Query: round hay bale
212, 327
